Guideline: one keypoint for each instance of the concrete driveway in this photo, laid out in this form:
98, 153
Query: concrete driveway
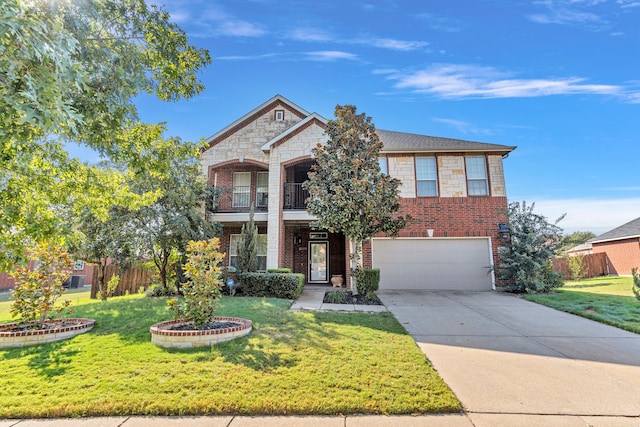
504, 355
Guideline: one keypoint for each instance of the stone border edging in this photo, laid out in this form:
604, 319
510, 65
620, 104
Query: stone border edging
171, 338
10, 339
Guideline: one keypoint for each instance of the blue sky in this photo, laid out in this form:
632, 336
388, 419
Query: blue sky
557, 78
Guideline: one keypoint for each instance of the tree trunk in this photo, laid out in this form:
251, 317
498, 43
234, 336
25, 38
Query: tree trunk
354, 247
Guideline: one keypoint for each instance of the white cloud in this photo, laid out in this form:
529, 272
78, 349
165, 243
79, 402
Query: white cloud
626, 4
467, 81
392, 44
310, 35
238, 28
248, 57
462, 127
595, 215
330, 55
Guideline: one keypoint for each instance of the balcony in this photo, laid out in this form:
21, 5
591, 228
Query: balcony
240, 199
295, 197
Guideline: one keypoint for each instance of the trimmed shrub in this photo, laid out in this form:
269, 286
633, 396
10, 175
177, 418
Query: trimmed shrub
279, 270
368, 280
274, 285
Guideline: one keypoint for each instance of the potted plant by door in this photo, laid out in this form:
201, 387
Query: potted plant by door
194, 323
337, 280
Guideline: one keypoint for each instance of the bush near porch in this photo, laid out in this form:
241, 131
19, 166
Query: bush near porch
272, 285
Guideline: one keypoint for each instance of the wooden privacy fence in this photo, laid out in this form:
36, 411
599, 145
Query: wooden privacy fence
130, 282
596, 265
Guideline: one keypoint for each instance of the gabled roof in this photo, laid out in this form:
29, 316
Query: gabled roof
293, 130
251, 115
398, 142
626, 231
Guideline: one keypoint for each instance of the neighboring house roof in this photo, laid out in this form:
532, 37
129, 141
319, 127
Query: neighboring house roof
626, 231
581, 248
410, 142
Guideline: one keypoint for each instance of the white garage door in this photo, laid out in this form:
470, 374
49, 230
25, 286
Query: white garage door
433, 264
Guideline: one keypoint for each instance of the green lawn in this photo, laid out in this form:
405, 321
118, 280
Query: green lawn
291, 363
607, 299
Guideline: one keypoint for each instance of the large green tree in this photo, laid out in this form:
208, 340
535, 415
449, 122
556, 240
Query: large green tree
347, 191
165, 227
69, 71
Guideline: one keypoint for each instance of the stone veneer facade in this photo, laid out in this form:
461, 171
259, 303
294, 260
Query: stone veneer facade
452, 213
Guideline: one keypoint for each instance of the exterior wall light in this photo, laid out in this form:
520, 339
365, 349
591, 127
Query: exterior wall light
503, 232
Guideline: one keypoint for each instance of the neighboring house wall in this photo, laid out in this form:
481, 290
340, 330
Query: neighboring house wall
622, 255
7, 282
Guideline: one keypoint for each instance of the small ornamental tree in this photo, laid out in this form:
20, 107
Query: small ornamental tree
577, 267
37, 291
636, 282
248, 247
347, 191
202, 290
525, 260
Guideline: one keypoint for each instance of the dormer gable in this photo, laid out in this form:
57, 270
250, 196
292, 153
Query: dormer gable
279, 109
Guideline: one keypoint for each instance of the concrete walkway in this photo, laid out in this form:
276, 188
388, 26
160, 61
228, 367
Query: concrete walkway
512, 362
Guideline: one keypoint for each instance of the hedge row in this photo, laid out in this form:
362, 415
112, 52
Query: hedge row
274, 285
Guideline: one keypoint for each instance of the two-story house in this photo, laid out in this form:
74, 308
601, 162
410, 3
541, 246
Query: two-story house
454, 190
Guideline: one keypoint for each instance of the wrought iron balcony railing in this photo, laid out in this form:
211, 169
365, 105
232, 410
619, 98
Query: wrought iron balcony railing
240, 198
295, 197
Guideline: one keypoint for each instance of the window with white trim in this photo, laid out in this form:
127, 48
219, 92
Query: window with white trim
426, 176
241, 189
261, 246
262, 189
384, 167
477, 182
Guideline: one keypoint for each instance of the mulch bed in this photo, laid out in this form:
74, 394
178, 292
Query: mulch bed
47, 326
347, 297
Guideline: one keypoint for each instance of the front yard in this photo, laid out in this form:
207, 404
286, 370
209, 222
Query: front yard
291, 363
606, 299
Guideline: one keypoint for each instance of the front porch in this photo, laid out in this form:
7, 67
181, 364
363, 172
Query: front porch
316, 254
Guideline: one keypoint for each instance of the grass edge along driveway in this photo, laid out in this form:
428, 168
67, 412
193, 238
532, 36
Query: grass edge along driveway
291, 363
607, 299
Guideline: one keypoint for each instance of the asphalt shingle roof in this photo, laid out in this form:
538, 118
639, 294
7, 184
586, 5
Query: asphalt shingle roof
410, 142
625, 231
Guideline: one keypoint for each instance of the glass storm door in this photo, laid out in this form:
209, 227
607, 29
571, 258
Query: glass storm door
318, 260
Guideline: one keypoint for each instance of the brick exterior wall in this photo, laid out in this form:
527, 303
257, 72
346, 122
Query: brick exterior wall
451, 217
622, 255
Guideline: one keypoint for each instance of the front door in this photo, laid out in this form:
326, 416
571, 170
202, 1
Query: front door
318, 262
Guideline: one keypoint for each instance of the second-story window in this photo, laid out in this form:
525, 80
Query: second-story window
477, 183
384, 168
426, 176
262, 189
241, 189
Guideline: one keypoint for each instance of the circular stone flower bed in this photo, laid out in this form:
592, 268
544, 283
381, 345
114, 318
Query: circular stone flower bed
180, 334
17, 335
